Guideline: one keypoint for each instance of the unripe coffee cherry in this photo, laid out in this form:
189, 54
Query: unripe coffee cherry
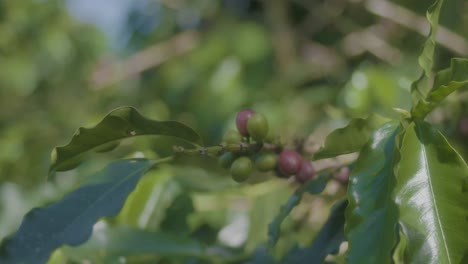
241, 169
289, 162
306, 172
226, 160
266, 162
257, 126
232, 137
241, 121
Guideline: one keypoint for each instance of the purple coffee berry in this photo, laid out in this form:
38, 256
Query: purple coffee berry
306, 172
289, 162
342, 175
241, 121
463, 127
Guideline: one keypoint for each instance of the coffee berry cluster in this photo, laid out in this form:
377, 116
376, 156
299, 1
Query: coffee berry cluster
258, 151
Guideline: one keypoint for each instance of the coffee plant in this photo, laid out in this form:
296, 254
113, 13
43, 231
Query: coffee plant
406, 198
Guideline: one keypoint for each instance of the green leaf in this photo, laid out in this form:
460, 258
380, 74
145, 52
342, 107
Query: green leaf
70, 220
313, 187
446, 82
429, 193
327, 241
109, 244
371, 216
121, 123
419, 88
350, 138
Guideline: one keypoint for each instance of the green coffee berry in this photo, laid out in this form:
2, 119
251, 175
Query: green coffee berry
241, 169
266, 162
226, 160
257, 126
232, 137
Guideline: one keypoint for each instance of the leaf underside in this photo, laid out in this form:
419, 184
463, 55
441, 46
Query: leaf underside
349, 139
121, 123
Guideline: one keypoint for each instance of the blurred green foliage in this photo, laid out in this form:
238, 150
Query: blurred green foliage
309, 66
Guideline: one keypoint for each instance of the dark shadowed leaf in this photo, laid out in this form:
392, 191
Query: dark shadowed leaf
327, 241
446, 82
261, 255
112, 244
109, 244
371, 216
313, 187
350, 138
420, 88
121, 123
70, 220
429, 194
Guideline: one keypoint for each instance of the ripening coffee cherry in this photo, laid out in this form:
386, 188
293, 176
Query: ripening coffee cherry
463, 127
232, 137
266, 162
289, 162
241, 169
306, 172
342, 175
257, 126
226, 160
241, 121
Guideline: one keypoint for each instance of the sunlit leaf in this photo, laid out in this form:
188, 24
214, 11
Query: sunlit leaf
371, 216
419, 88
432, 205
350, 138
121, 123
70, 220
313, 187
446, 82
145, 207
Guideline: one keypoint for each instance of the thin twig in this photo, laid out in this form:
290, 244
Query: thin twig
143, 60
419, 24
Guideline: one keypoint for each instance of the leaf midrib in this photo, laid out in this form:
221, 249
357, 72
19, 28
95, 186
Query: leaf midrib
433, 197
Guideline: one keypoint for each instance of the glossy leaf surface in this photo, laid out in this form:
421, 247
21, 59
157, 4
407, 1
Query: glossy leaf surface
446, 82
429, 193
350, 138
70, 220
124, 122
313, 187
371, 216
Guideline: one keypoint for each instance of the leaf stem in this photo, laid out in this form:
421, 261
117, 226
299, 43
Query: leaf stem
238, 148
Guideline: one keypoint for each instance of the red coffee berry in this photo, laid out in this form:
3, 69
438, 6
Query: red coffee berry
289, 162
463, 127
306, 172
241, 121
342, 175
